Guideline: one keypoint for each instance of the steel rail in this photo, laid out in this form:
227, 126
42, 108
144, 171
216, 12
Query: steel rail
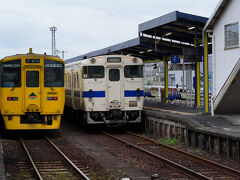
31, 160
218, 166
166, 161
68, 160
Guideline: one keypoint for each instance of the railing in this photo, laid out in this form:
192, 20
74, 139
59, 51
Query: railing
187, 98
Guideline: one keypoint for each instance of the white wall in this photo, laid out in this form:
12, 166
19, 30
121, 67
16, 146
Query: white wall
224, 60
178, 77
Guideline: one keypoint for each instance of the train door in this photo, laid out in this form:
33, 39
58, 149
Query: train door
32, 90
114, 87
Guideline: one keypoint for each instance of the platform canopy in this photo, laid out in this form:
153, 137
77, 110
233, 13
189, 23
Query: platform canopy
176, 26
142, 47
162, 36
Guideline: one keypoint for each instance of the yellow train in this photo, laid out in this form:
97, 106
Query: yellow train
32, 93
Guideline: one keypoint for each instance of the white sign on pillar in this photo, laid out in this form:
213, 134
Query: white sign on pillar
189, 79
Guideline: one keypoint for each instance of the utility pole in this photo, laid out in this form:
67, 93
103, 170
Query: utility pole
63, 53
58, 52
53, 29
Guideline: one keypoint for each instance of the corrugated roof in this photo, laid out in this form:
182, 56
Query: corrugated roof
142, 47
107, 50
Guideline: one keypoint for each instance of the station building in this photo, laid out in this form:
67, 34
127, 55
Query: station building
223, 29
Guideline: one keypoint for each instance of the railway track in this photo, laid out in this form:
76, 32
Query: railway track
49, 162
181, 161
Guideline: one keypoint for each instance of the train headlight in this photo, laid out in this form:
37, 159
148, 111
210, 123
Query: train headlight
52, 98
93, 60
135, 60
132, 103
12, 98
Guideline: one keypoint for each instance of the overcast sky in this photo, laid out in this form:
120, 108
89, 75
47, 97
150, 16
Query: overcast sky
82, 26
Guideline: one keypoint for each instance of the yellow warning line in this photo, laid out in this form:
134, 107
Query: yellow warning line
167, 110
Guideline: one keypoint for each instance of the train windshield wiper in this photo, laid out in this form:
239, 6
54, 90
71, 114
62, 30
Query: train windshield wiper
49, 83
14, 86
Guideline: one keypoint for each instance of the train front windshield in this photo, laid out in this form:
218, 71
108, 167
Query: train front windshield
53, 73
93, 72
11, 73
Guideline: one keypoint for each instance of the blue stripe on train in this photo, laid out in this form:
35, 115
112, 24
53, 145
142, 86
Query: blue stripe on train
133, 93
127, 93
93, 94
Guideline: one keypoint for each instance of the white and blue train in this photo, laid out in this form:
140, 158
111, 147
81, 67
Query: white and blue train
105, 89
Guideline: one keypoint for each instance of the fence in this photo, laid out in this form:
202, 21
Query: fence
156, 93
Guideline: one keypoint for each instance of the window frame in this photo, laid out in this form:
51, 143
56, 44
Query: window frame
46, 64
73, 80
77, 80
20, 74
112, 59
119, 74
86, 67
67, 83
38, 73
142, 75
225, 36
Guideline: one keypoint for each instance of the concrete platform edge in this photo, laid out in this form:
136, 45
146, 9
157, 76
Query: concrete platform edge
191, 124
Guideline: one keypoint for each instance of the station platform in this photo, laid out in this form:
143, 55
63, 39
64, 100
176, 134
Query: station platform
224, 126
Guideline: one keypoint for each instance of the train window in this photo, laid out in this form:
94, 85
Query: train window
53, 73
11, 73
114, 74
66, 80
133, 71
77, 80
74, 80
93, 72
32, 78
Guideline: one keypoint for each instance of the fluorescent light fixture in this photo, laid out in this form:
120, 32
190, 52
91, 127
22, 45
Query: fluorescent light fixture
168, 34
141, 52
149, 50
190, 28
